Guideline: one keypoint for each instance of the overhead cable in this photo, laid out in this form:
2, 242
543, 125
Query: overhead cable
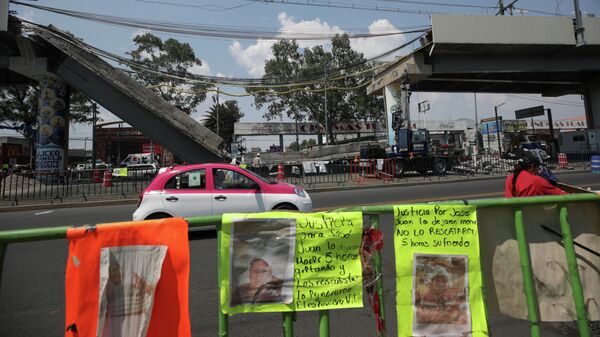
547, 100
216, 31
311, 79
345, 5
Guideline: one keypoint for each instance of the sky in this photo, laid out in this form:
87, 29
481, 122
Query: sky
246, 58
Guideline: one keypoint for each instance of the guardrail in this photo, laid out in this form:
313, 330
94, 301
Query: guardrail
516, 205
20, 186
15, 187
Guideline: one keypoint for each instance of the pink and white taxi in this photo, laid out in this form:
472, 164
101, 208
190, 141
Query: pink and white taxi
213, 189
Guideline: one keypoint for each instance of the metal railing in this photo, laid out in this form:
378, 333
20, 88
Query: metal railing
315, 173
374, 213
81, 184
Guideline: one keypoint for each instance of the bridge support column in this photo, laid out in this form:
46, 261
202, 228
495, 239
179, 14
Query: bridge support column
592, 103
53, 126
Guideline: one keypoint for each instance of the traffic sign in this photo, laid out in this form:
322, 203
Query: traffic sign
530, 112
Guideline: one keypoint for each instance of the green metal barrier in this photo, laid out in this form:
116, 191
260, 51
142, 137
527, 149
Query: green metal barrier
39, 234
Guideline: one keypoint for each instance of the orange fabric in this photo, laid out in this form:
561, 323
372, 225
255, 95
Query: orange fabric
170, 315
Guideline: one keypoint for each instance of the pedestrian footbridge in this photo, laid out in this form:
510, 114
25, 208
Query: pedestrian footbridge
49, 52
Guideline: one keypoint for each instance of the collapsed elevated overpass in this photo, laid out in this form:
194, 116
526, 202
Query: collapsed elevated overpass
503, 54
48, 52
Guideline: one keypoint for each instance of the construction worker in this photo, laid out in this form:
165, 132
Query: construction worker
525, 181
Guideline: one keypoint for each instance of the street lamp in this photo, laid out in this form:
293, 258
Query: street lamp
498, 128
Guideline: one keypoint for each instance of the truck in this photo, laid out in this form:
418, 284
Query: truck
138, 159
580, 141
411, 149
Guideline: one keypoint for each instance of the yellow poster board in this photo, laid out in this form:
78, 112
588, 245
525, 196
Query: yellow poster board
438, 273
286, 261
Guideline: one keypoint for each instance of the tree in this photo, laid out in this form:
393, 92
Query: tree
19, 106
314, 68
174, 58
305, 144
225, 114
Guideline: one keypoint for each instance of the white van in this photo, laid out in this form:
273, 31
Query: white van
137, 159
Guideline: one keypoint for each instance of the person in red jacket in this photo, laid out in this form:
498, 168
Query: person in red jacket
525, 181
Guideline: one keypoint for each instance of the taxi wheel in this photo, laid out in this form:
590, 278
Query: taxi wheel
154, 216
289, 207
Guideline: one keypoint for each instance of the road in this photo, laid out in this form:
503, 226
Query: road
32, 289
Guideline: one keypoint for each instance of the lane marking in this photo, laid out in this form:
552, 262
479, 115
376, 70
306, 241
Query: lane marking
42, 213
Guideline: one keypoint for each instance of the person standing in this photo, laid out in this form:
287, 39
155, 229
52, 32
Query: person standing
525, 181
256, 162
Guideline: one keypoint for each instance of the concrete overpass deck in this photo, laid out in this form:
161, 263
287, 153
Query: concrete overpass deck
503, 54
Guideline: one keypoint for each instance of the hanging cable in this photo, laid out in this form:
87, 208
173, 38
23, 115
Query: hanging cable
333, 75
215, 31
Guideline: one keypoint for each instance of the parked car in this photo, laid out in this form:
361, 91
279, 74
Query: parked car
212, 189
100, 165
136, 171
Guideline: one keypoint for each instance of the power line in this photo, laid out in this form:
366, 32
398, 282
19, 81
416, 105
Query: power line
310, 79
215, 31
550, 101
215, 8
442, 4
342, 5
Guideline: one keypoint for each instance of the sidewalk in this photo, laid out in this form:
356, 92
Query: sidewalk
311, 187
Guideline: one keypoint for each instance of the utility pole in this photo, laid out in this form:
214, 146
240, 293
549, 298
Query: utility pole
498, 128
578, 24
502, 8
326, 117
476, 117
94, 113
217, 110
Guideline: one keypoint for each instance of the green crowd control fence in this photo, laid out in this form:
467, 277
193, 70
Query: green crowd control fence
518, 208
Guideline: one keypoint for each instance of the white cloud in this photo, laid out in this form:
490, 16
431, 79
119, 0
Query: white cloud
204, 69
373, 46
290, 27
253, 57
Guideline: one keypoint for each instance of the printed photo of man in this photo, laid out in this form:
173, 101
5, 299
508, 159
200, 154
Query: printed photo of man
261, 261
262, 287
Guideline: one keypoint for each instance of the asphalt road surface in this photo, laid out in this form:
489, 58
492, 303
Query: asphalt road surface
32, 288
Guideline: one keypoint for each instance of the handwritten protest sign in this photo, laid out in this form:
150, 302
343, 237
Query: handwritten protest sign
281, 261
438, 273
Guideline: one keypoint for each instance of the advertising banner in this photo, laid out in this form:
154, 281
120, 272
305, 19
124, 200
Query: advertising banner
52, 126
438, 274
281, 261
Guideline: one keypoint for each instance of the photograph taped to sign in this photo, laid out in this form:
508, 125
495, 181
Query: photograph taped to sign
128, 279
440, 295
262, 253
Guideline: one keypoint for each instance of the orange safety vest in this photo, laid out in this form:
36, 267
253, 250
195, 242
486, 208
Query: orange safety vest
88, 247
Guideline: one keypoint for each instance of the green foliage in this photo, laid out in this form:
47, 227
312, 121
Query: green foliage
305, 144
228, 114
175, 58
19, 105
289, 65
